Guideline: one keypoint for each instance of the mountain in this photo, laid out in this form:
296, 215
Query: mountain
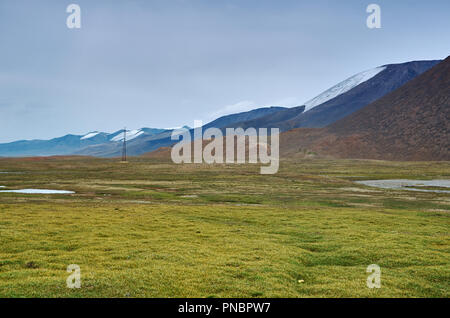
335, 103
56, 146
230, 120
357, 92
410, 123
136, 140
102, 144
68, 144
147, 143
343, 87
280, 119
344, 98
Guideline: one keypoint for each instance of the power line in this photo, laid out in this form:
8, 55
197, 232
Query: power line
124, 148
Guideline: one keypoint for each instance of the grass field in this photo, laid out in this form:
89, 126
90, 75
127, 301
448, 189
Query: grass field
154, 229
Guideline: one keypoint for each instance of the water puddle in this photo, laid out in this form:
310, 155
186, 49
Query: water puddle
410, 185
36, 191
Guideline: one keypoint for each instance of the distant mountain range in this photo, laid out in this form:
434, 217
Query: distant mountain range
338, 102
69, 144
102, 144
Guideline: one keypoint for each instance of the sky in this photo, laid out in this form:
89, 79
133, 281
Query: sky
166, 63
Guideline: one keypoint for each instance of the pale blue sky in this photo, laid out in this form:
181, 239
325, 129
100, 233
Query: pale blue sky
165, 63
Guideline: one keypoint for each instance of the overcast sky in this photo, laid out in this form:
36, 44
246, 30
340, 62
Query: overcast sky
165, 63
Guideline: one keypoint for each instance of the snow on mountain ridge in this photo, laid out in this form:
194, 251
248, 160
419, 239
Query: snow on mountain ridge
131, 134
90, 135
343, 87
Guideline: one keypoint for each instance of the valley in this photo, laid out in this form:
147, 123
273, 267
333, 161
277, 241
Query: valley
155, 229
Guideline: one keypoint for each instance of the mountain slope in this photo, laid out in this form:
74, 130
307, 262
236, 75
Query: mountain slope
410, 123
343, 87
229, 121
68, 144
56, 146
143, 144
341, 100
280, 119
344, 98
100, 144
385, 81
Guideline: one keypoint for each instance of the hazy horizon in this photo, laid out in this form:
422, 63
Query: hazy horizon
164, 64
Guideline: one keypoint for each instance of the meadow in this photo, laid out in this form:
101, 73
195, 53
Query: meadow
151, 228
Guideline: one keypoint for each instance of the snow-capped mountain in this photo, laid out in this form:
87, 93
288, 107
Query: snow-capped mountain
387, 78
140, 143
343, 87
335, 103
344, 98
409, 123
69, 144
90, 135
130, 135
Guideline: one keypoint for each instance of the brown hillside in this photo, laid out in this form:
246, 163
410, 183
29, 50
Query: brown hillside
411, 123
160, 153
165, 152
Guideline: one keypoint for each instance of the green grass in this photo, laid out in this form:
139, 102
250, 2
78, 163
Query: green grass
154, 229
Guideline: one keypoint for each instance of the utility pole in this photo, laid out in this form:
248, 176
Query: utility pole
124, 149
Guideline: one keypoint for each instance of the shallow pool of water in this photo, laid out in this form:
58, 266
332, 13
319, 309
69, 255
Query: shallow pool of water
37, 191
410, 185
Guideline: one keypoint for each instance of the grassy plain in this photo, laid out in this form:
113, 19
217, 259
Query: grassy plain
154, 229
